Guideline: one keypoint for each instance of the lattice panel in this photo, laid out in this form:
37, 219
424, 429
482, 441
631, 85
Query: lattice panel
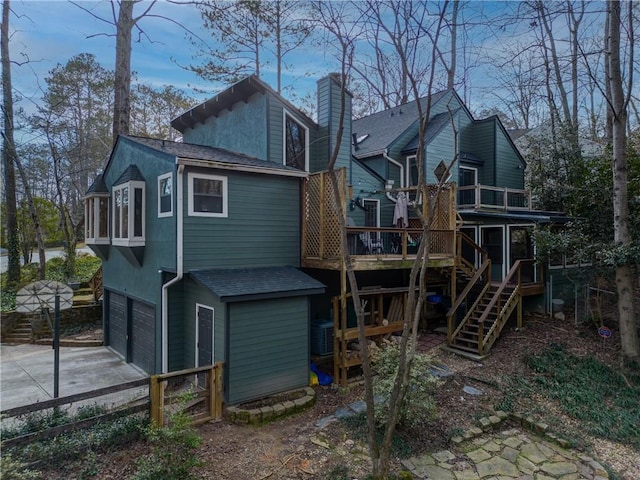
444, 213
312, 216
322, 238
332, 244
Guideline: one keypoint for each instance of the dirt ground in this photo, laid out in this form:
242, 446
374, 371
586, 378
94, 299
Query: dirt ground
294, 448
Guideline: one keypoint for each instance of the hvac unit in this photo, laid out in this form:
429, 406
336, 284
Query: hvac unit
321, 337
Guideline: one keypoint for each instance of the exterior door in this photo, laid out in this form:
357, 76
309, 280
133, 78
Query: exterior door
143, 336
521, 247
372, 219
467, 176
204, 340
117, 337
493, 242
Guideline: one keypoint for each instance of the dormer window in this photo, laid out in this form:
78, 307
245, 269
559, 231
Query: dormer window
128, 207
296, 144
96, 214
96, 219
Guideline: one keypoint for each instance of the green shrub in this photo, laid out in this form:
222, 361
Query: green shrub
12, 469
418, 406
174, 450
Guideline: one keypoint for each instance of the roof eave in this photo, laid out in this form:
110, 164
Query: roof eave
194, 162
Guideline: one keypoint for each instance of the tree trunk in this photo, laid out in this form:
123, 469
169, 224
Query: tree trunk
622, 234
122, 94
9, 154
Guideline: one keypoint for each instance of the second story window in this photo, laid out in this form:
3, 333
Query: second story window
96, 219
207, 195
165, 195
412, 171
128, 221
296, 144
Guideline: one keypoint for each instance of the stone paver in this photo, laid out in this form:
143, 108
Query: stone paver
494, 451
505, 454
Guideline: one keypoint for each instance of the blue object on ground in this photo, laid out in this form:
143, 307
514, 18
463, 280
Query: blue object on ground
323, 378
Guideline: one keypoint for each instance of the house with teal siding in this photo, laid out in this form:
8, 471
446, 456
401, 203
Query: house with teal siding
225, 246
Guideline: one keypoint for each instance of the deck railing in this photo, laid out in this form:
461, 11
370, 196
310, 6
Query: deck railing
396, 242
322, 240
484, 196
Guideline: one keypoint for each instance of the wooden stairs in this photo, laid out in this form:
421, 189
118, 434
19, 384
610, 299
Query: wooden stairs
486, 318
21, 333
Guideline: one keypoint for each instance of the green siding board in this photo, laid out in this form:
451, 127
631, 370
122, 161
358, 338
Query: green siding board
509, 169
242, 130
268, 348
329, 109
262, 228
197, 294
484, 135
143, 282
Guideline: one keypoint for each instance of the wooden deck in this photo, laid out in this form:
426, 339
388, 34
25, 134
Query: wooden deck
370, 248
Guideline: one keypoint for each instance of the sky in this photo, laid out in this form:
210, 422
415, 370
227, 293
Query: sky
48, 33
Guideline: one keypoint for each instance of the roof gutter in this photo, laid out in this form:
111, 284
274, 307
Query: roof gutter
400, 166
179, 267
240, 168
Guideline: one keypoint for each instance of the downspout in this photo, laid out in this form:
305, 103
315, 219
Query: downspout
400, 166
179, 269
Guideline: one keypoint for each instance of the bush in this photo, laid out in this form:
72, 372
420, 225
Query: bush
12, 469
418, 406
174, 450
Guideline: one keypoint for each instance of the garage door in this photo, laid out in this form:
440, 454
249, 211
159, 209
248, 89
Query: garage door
143, 335
117, 316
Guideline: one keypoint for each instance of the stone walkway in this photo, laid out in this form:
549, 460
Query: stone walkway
509, 453
502, 446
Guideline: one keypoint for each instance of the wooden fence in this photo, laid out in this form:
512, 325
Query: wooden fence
199, 390
201, 387
141, 404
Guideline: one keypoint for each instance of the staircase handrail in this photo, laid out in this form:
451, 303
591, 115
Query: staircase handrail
515, 269
476, 276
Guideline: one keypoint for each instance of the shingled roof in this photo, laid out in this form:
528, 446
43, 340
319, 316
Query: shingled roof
210, 154
382, 128
243, 284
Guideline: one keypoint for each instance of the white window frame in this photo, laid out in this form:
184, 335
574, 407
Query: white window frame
285, 113
225, 195
409, 158
130, 240
92, 220
475, 170
162, 177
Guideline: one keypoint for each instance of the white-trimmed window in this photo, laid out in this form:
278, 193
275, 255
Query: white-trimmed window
207, 195
412, 171
296, 143
96, 219
165, 195
128, 221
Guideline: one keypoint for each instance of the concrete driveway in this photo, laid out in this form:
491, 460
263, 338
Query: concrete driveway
26, 372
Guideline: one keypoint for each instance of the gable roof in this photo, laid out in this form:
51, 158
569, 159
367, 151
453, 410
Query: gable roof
385, 126
130, 174
434, 126
243, 284
237, 92
201, 155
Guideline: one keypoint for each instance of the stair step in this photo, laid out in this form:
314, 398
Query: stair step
465, 348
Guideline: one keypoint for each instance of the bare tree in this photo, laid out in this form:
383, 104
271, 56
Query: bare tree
9, 155
619, 104
416, 30
248, 34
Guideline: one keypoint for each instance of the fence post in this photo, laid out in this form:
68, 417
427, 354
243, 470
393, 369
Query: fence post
157, 401
219, 391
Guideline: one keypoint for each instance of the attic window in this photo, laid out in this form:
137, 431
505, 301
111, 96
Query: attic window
296, 144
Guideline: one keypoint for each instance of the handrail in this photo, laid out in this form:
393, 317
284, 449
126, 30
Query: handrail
505, 191
486, 266
464, 238
492, 303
